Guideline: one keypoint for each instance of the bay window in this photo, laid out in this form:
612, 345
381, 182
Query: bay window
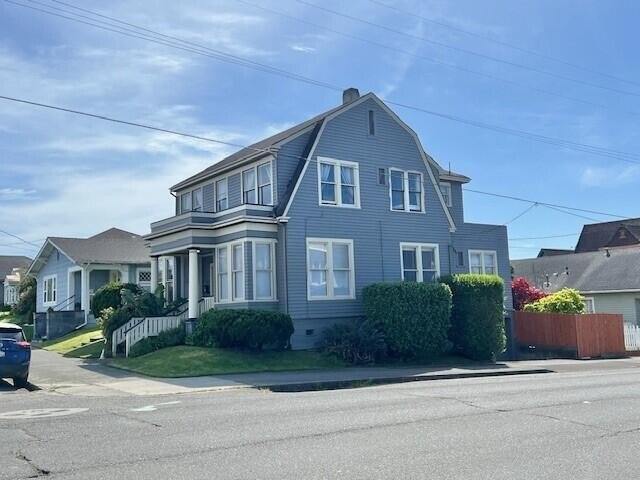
330, 269
338, 183
257, 185
263, 273
228, 272
406, 191
222, 274
483, 262
420, 262
237, 271
185, 202
196, 200
222, 197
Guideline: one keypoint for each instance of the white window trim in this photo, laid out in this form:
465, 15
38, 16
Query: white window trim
352, 271
405, 182
229, 272
338, 182
215, 193
448, 203
45, 279
256, 184
273, 296
593, 304
481, 253
419, 246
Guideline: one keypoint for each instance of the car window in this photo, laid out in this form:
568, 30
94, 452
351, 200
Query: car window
11, 334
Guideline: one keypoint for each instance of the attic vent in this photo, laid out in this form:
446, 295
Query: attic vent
349, 95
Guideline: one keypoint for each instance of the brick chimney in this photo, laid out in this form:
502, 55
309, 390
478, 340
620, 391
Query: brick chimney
349, 95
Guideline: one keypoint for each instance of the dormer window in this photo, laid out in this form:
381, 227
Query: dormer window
338, 183
191, 201
185, 202
257, 185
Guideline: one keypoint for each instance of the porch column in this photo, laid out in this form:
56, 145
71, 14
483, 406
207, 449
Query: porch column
154, 274
194, 284
84, 285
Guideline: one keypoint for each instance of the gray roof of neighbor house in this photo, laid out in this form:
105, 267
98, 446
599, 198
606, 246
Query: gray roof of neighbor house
9, 262
269, 145
111, 246
617, 270
597, 235
547, 252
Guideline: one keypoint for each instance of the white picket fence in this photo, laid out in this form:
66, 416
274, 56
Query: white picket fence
631, 337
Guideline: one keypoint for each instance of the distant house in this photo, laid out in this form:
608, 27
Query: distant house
8, 266
302, 221
69, 270
549, 252
598, 236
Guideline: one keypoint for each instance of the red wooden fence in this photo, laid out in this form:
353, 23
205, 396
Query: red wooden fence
588, 335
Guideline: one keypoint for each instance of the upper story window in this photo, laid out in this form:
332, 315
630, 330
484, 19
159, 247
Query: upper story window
50, 290
372, 122
406, 191
222, 197
191, 201
330, 269
257, 185
483, 262
338, 183
420, 262
445, 188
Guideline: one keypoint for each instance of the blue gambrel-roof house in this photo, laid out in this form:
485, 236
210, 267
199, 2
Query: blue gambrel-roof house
303, 220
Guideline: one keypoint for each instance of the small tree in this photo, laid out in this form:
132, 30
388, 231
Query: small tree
26, 298
524, 293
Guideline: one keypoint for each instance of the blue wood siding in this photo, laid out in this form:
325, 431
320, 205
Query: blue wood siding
56, 264
234, 190
457, 208
208, 197
287, 162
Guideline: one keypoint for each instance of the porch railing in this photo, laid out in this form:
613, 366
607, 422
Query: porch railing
205, 304
631, 337
64, 304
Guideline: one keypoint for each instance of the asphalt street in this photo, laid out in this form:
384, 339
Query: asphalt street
581, 424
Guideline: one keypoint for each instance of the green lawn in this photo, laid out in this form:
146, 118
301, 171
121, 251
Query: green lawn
186, 361
80, 343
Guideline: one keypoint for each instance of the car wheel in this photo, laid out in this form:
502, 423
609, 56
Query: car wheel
20, 382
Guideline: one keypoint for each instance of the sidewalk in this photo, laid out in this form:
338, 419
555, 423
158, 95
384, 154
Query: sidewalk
54, 373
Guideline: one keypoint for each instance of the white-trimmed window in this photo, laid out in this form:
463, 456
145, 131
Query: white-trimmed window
263, 270
483, 262
49, 290
144, 278
420, 262
589, 305
406, 191
185, 202
222, 196
196, 200
229, 268
257, 185
330, 269
338, 183
445, 188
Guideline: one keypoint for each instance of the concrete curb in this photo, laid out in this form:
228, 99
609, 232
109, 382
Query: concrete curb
370, 382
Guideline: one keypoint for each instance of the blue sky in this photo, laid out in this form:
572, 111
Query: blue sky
63, 175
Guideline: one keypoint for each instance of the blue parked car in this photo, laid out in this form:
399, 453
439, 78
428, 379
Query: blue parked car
15, 354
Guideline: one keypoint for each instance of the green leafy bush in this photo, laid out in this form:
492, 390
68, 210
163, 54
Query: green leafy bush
105, 317
413, 317
355, 342
27, 291
168, 338
109, 295
252, 329
477, 315
566, 300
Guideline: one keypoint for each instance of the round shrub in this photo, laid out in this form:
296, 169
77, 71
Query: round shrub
477, 315
251, 329
355, 342
566, 300
109, 295
414, 317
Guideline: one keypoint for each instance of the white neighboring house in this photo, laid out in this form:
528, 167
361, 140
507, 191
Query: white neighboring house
69, 270
9, 266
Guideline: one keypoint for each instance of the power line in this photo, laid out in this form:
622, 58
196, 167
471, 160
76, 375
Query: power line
573, 214
502, 43
19, 238
584, 148
430, 59
18, 243
547, 237
468, 52
546, 204
262, 150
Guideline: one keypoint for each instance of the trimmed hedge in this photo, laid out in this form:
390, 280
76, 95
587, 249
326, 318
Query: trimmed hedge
168, 338
413, 317
477, 316
251, 329
566, 300
109, 295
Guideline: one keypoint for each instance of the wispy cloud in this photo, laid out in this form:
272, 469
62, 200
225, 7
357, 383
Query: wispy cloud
609, 176
302, 48
8, 193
